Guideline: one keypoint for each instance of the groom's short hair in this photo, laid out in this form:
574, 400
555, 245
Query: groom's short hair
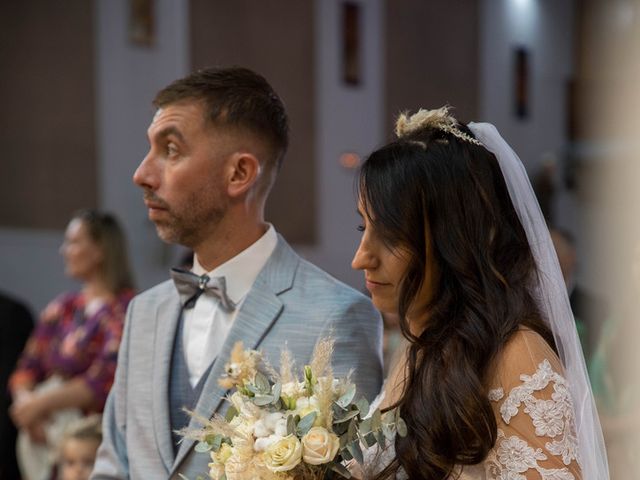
236, 97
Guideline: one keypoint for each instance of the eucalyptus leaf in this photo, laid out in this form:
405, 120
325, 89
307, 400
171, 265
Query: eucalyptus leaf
262, 383
369, 439
363, 406
355, 451
376, 420
340, 470
305, 423
231, 413
388, 431
276, 390
338, 410
340, 428
262, 400
253, 389
202, 447
347, 416
217, 441
352, 431
347, 397
291, 425
401, 426
346, 455
365, 426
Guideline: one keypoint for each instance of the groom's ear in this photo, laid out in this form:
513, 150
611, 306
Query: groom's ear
243, 170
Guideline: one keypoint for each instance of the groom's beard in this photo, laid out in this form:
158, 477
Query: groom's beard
190, 221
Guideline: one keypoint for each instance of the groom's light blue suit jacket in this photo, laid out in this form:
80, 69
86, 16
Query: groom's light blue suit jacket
291, 303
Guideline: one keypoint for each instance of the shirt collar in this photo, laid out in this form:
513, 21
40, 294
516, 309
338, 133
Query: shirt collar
242, 270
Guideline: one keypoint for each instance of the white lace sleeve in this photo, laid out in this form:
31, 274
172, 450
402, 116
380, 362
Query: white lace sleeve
535, 417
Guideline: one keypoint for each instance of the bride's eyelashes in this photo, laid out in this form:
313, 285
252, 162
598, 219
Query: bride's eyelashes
360, 228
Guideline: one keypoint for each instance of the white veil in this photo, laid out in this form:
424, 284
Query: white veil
553, 301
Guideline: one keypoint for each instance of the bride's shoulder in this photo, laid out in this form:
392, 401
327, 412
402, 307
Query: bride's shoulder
525, 353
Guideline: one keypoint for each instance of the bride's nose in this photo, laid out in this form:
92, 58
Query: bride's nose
363, 258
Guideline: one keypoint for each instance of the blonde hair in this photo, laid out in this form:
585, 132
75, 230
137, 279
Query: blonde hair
105, 230
85, 428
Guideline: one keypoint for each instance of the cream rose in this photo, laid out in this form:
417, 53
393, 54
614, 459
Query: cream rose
283, 455
319, 446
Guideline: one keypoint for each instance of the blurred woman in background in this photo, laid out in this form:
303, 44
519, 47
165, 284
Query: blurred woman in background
68, 364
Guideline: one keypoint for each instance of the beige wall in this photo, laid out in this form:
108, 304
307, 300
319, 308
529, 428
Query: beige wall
48, 166
276, 40
431, 55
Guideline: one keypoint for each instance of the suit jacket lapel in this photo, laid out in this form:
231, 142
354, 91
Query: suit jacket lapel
167, 318
255, 318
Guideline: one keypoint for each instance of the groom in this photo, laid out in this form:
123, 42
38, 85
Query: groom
216, 144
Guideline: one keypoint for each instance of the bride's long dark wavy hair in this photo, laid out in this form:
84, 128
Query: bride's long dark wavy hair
444, 200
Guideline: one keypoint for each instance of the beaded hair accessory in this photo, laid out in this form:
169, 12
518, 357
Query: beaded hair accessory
439, 119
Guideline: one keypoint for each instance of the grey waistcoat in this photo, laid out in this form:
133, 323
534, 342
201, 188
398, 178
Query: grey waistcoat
181, 393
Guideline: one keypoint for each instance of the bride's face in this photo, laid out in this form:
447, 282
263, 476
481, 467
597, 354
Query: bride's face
383, 267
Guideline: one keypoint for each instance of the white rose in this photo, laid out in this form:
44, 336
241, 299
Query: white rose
283, 455
319, 446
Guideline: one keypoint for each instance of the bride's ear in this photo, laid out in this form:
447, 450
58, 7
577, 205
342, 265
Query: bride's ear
243, 173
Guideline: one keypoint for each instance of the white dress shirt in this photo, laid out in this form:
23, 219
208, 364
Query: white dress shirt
206, 326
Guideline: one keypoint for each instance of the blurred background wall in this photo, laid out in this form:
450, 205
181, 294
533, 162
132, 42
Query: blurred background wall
78, 83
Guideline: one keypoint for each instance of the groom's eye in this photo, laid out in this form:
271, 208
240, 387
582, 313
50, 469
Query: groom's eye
360, 228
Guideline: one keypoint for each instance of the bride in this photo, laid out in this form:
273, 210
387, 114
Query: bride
492, 384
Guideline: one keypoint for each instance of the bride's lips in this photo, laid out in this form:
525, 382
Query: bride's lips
373, 285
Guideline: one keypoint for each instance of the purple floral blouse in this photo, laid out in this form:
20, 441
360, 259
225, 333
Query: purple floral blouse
73, 339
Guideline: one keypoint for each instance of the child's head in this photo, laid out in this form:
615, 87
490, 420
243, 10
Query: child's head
78, 448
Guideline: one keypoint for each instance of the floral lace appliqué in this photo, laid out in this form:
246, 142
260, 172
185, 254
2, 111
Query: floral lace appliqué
496, 394
552, 418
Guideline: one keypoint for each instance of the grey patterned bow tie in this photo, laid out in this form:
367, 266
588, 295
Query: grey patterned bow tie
190, 286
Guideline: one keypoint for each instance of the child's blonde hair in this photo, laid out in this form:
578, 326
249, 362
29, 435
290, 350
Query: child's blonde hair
85, 428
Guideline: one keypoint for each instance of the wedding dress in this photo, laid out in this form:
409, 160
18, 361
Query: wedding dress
534, 414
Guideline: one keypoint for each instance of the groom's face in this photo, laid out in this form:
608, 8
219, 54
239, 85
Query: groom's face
182, 175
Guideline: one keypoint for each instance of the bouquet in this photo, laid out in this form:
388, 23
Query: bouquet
287, 427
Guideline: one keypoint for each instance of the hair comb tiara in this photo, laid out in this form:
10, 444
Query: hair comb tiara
439, 119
